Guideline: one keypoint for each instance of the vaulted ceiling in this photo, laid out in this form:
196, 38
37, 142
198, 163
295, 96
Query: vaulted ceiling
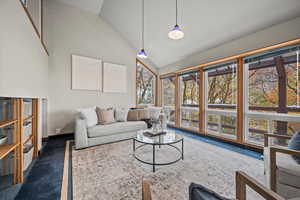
206, 23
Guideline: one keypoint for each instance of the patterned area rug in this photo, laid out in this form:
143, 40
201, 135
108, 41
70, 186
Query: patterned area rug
110, 172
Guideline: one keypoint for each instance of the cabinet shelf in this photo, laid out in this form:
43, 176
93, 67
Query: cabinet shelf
7, 123
27, 118
6, 149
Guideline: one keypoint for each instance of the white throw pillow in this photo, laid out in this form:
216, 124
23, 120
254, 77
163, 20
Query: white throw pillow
90, 115
121, 114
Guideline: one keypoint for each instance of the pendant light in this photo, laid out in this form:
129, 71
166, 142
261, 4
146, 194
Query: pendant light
142, 53
176, 33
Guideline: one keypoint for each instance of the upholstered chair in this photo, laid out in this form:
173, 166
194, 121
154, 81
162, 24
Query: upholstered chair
282, 172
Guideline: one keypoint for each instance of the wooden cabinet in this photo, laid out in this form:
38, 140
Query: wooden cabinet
18, 136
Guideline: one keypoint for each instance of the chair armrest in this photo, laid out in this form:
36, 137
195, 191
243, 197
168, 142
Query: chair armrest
273, 151
146, 190
243, 180
267, 135
81, 138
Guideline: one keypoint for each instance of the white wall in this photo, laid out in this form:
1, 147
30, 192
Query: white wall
272, 35
23, 61
73, 31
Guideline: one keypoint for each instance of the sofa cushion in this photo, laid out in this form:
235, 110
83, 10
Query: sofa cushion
115, 128
294, 144
288, 171
89, 115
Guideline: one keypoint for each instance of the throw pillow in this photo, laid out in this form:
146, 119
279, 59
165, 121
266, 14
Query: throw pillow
121, 114
105, 116
133, 115
294, 144
90, 116
144, 114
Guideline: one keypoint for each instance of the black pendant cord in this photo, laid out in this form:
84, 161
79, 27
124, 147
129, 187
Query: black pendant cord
176, 12
143, 26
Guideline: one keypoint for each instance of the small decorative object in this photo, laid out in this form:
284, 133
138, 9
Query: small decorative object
163, 121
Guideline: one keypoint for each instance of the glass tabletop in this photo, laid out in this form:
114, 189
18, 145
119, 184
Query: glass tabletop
170, 137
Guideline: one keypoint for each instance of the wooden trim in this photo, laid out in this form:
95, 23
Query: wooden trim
243, 180
28, 118
20, 149
244, 54
216, 136
146, 192
201, 101
35, 111
136, 82
15, 140
31, 20
42, 24
34, 26
256, 146
139, 61
64, 187
177, 101
161, 76
266, 138
240, 100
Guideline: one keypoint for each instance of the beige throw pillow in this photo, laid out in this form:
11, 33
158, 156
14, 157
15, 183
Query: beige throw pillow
133, 115
144, 114
105, 116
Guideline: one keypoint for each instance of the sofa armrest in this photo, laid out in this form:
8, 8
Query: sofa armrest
81, 138
273, 151
243, 180
267, 136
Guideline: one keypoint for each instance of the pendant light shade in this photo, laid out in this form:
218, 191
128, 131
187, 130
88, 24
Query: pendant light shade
142, 53
176, 33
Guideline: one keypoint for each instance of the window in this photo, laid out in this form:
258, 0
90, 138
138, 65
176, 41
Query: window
189, 94
168, 97
146, 85
221, 94
273, 87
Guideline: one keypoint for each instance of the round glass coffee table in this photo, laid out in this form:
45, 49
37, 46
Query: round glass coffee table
170, 138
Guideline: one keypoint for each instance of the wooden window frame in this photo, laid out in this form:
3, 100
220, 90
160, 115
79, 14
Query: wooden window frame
136, 81
40, 34
242, 105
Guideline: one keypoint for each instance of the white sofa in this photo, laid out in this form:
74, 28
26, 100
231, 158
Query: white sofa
101, 134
